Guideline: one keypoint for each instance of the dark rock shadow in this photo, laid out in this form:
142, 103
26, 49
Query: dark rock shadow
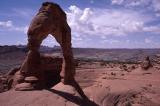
74, 99
83, 101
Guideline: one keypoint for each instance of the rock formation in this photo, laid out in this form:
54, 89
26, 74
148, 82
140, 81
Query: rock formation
50, 71
40, 71
50, 19
146, 63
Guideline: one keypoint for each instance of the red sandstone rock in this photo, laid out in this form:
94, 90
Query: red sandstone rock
50, 67
50, 19
146, 63
31, 79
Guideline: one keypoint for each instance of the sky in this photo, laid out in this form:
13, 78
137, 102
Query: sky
94, 23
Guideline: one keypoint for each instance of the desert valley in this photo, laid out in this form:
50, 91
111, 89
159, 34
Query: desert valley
109, 77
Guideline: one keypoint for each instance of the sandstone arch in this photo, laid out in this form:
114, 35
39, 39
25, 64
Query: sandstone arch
50, 19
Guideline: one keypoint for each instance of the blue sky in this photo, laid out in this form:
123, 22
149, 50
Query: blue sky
94, 23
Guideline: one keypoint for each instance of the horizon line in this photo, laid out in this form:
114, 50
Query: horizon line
78, 47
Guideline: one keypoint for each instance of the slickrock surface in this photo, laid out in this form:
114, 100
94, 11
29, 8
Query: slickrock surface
104, 86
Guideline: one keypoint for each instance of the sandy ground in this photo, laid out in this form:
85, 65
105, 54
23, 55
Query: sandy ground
142, 86
106, 86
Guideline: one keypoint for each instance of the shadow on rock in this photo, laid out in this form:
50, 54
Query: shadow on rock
74, 99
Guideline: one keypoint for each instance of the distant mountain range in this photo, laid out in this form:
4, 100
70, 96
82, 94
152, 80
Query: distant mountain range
90, 53
14, 55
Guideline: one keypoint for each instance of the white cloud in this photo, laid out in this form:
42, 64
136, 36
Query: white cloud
157, 14
77, 38
20, 29
104, 22
20, 43
156, 5
154, 29
137, 2
132, 26
147, 4
86, 14
128, 41
147, 40
106, 26
49, 41
131, 2
117, 1
111, 41
8, 25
